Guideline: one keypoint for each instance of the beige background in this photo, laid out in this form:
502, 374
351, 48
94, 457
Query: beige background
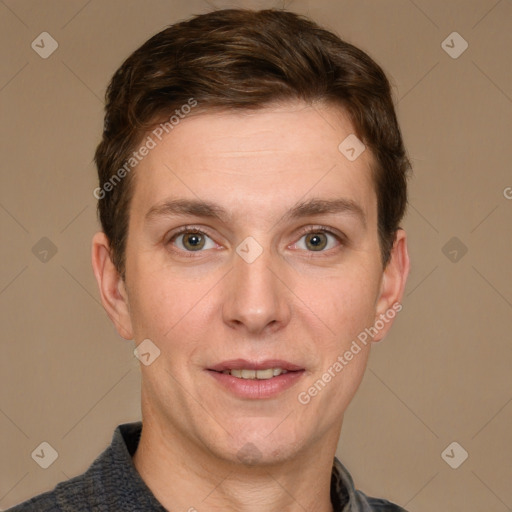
442, 375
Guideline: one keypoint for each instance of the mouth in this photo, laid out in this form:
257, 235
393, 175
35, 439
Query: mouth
246, 373
265, 379
244, 369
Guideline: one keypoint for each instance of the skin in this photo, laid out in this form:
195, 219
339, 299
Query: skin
291, 303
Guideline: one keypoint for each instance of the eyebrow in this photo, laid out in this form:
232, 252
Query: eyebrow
195, 207
207, 209
326, 206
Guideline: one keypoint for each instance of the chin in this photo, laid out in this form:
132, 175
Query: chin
253, 447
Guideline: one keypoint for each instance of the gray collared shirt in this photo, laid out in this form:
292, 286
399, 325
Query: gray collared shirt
113, 484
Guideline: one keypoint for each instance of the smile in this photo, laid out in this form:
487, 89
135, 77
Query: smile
255, 374
256, 380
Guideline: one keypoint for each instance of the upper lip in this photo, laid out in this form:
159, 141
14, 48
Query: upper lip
244, 364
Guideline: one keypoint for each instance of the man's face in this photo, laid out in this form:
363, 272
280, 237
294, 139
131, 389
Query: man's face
210, 301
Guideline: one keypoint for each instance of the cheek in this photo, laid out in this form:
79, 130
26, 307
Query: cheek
175, 313
161, 303
344, 303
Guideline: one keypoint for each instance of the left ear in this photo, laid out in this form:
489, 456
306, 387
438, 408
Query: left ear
392, 285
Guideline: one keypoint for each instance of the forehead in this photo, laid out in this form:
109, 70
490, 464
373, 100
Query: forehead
256, 162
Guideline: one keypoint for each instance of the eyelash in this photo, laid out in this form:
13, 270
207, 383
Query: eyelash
316, 229
340, 237
187, 229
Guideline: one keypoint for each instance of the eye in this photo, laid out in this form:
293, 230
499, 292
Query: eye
317, 240
192, 240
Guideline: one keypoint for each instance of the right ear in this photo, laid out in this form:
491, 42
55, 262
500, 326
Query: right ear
111, 285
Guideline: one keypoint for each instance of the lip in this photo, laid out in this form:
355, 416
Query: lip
241, 364
256, 389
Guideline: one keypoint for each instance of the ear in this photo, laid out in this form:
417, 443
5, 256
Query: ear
112, 287
392, 285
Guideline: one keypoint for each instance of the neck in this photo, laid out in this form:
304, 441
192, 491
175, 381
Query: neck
183, 475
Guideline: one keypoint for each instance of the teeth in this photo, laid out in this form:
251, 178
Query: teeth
255, 374
248, 374
264, 374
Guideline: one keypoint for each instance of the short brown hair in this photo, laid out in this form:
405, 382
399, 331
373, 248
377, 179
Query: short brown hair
244, 59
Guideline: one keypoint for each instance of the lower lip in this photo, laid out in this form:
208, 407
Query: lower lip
257, 388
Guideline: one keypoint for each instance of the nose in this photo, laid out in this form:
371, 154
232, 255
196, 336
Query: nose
257, 299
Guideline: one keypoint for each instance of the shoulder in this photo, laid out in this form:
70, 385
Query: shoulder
43, 503
380, 505
68, 496
79, 494
110, 483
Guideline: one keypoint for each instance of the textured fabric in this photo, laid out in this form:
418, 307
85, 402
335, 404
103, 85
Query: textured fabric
112, 484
